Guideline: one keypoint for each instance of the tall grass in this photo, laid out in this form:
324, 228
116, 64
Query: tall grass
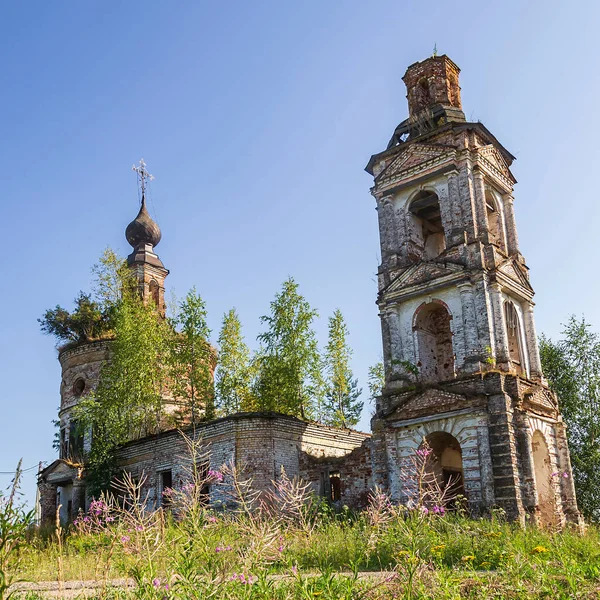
289, 544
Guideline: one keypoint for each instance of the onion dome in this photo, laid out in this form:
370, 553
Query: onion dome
143, 230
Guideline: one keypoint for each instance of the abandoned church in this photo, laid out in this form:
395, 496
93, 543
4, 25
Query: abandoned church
461, 358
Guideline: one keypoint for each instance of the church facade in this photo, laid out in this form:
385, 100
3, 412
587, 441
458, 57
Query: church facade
461, 358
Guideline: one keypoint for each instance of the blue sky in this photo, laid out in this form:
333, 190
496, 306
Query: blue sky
257, 119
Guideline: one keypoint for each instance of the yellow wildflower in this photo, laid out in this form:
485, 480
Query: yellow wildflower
468, 558
438, 548
539, 550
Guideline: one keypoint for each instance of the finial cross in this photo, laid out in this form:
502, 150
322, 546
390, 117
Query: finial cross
143, 175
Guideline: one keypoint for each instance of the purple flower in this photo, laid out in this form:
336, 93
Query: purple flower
139, 528
565, 475
215, 475
125, 539
294, 570
156, 582
555, 474
280, 549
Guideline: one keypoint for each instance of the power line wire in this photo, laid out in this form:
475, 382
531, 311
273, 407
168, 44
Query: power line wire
22, 470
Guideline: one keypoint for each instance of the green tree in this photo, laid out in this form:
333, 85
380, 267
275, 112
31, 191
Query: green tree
192, 359
233, 383
289, 380
128, 402
342, 405
572, 366
86, 323
376, 380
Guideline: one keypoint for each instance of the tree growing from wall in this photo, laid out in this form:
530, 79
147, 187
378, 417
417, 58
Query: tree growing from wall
376, 380
87, 322
234, 375
572, 366
342, 405
289, 379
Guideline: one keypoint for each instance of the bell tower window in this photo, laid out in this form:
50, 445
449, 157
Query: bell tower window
426, 221
513, 330
154, 292
495, 221
434, 339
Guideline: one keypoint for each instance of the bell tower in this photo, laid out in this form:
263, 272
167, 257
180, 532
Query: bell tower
462, 364
143, 234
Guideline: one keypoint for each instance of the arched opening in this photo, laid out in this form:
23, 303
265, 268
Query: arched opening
155, 292
446, 468
422, 94
434, 340
495, 220
543, 477
427, 225
513, 330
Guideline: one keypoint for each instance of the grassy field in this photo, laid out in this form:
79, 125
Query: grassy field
289, 544
211, 555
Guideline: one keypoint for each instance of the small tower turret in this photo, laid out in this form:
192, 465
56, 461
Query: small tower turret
144, 235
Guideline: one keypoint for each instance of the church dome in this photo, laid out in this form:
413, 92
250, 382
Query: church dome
143, 230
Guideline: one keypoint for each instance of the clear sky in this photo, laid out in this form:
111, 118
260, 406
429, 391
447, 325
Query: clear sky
257, 119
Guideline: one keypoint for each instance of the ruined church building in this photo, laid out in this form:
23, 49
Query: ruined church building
461, 358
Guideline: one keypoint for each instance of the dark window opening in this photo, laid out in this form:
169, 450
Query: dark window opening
427, 224
79, 387
335, 486
166, 483
75, 440
64, 445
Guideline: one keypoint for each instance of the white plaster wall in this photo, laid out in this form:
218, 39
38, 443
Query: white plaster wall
547, 429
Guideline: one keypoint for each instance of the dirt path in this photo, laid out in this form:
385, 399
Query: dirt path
90, 588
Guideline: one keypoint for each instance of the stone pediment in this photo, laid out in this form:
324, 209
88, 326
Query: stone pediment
424, 273
428, 402
415, 158
494, 160
59, 471
515, 271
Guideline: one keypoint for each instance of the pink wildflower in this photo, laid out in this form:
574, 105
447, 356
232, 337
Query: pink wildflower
156, 582
125, 539
215, 475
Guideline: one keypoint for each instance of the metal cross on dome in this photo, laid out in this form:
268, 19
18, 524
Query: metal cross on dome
143, 175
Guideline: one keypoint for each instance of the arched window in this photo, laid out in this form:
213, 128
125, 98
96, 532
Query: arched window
495, 220
426, 221
513, 329
434, 340
446, 466
155, 292
422, 94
